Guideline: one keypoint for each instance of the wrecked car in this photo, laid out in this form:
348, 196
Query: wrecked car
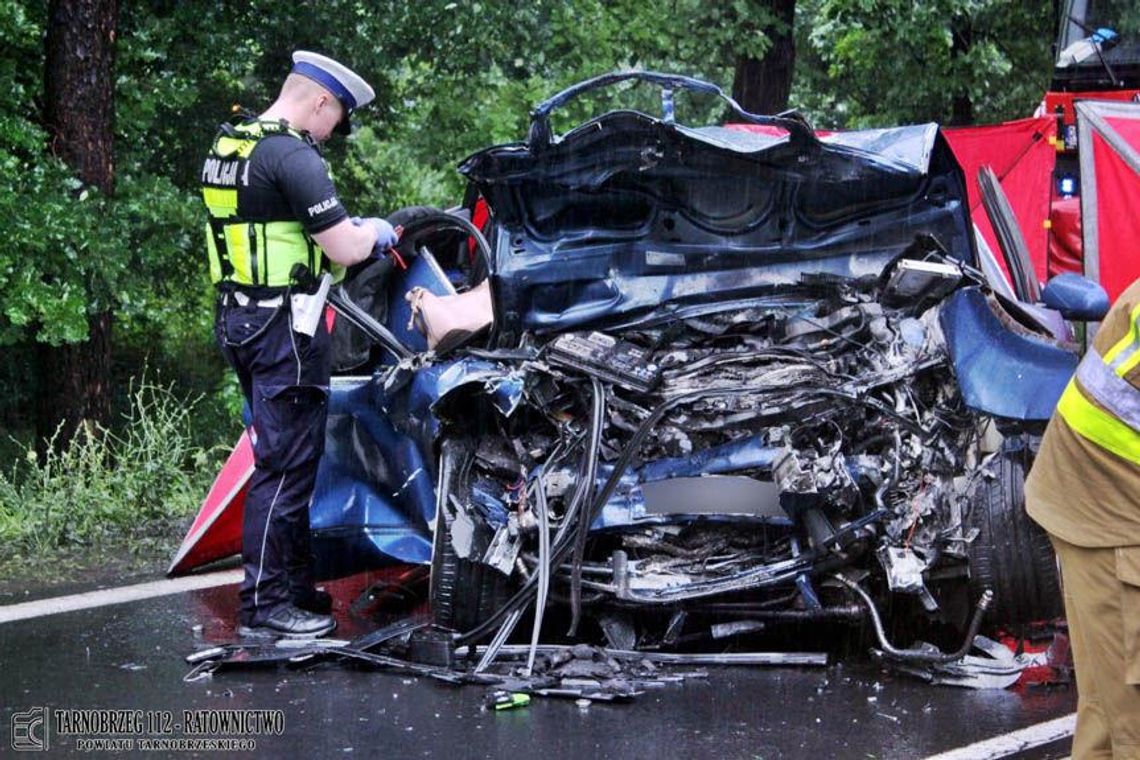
734, 376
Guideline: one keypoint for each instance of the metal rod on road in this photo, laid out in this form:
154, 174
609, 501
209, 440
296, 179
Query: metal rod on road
682, 658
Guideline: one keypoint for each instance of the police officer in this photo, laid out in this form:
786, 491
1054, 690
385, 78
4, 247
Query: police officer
272, 205
1084, 489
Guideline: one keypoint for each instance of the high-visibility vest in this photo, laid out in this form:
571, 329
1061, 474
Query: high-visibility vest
1100, 404
243, 251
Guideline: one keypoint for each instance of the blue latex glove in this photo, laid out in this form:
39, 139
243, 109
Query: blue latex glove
386, 234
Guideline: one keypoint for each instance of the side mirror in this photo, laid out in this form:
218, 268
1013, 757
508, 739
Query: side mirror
1077, 298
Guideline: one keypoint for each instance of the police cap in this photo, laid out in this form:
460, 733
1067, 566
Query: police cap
345, 84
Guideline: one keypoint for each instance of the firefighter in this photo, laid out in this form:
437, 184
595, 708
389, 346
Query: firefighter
1084, 489
271, 205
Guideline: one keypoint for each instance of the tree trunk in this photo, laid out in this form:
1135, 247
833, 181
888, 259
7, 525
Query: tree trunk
74, 385
762, 85
74, 389
962, 37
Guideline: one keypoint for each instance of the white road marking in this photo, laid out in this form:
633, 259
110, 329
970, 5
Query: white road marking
988, 749
1015, 741
120, 595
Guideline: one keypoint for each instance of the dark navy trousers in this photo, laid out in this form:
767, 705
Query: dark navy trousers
285, 378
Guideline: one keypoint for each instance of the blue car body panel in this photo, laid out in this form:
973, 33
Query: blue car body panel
1014, 375
374, 499
630, 220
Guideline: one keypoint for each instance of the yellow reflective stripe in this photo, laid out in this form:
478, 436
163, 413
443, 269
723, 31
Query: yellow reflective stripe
287, 240
1132, 337
1128, 364
285, 237
241, 147
212, 251
237, 242
1097, 425
226, 147
279, 245
257, 129
219, 198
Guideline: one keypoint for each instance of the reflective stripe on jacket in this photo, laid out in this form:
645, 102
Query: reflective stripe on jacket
1101, 403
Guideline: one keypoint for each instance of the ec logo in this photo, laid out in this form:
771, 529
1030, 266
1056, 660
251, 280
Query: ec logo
30, 730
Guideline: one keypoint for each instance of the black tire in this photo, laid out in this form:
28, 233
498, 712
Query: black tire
366, 284
463, 594
447, 241
1012, 555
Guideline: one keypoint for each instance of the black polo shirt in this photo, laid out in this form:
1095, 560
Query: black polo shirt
288, 180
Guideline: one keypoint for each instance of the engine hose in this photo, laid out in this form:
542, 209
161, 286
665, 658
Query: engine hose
586, 488
512, 611
562, 542
622, 464
587, 517
543, 568
919, 655
504, 633
886, 485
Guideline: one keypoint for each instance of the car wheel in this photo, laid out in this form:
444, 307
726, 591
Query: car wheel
1012, 555
463, 593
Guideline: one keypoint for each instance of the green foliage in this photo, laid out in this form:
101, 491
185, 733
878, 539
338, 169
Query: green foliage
106, 486
451, 78
456, 77
885, 62
70, 251
393, 176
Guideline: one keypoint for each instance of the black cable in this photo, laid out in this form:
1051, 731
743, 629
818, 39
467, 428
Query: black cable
596, 421
562, 543
620, 466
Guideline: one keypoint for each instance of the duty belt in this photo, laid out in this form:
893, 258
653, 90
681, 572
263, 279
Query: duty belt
241, 299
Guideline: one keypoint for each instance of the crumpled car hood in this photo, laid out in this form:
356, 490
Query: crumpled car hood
628, 217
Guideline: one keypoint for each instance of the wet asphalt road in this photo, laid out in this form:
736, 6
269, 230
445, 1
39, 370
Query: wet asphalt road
129, 656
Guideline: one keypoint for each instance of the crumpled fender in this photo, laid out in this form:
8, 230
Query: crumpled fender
374, 499
415, 409
1015, 375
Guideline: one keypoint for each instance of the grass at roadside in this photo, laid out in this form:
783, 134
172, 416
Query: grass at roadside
70, 570
132, 488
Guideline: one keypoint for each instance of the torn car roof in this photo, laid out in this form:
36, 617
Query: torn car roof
628, 216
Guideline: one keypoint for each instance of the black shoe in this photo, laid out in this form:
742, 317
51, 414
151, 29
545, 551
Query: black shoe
290, 622
313, 600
